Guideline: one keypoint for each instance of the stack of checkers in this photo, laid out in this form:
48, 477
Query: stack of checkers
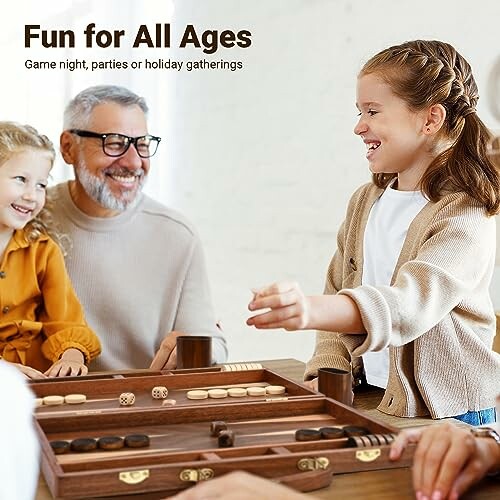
71, 399
370, 440
330, 433
237, 367
108, 443
236, 392
225, 436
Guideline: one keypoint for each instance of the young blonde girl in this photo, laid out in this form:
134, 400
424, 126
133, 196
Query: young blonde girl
42, 327
416, 251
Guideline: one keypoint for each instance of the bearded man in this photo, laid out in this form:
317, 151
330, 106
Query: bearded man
136, 265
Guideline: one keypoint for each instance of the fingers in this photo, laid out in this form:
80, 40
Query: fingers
53, 371
66, 368
159, 360
277, 295
402, 440
420, 457
431, 463
472, 473
312, 384
168, 344
288, 317
172, 360
74, 369
161, 357
275, 288
459, 464
32, 373
441, 454
288, 307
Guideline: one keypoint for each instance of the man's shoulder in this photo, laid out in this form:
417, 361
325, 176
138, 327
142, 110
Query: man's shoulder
166, 216
55, 190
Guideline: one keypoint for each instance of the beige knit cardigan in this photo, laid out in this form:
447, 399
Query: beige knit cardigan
436, 317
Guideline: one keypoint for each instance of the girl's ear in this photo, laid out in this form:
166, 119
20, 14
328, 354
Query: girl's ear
435, 118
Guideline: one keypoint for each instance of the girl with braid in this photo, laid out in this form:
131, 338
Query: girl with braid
407, 289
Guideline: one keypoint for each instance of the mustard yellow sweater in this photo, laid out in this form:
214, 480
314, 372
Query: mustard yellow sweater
40, 315
436, 318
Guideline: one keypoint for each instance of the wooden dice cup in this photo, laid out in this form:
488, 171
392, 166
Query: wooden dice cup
194, 351
336, 384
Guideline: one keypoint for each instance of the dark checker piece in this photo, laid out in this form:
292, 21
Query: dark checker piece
389, 438
359, 442
307, 435
351, 430
110, 443
216, 427
60, 447
226, 439
83, 444
354, 442
374, 440
137, 441
331, 432
382, 439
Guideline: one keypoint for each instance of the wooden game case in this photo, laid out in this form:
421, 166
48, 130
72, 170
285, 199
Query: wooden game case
103, 393
241, 366
120, 374
182, 451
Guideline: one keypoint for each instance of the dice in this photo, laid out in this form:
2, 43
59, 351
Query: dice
127, 398
159, 392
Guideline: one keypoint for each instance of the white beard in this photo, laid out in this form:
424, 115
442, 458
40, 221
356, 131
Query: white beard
100, 192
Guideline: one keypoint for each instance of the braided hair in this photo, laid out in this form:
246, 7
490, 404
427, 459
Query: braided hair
424, 73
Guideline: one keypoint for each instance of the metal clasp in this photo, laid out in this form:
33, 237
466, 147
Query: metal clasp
368, 455
313, 463
195, 475
133, 476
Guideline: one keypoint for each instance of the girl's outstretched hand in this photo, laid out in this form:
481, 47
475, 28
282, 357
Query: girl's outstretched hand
288, 307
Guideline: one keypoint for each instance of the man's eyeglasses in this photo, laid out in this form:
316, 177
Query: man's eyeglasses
118, 144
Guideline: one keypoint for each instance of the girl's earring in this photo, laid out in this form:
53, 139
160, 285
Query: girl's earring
428, 129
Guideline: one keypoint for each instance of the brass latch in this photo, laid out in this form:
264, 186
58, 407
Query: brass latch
313, 463
133, 476
368, 455
196, 475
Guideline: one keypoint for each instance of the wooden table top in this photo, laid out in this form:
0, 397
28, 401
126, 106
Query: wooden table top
389, 484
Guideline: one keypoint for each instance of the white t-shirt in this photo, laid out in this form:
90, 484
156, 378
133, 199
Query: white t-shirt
386, 228
19, 451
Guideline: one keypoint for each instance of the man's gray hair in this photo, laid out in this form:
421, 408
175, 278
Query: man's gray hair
77, 112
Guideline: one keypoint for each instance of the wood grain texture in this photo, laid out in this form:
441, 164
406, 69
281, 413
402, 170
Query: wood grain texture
388, 484
103, 393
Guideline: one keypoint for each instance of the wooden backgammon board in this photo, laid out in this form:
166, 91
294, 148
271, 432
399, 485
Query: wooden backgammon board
103, 392
181, 447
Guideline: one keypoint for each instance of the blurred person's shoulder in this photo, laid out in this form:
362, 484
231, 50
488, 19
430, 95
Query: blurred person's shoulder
15, 392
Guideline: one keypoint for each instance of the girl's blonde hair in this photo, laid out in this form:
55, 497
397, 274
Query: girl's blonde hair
15, 138
427, 72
